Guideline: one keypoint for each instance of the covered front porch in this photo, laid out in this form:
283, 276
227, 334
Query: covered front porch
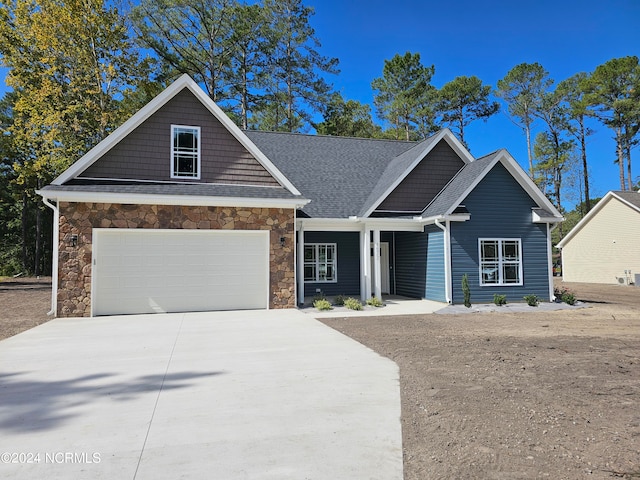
374, 258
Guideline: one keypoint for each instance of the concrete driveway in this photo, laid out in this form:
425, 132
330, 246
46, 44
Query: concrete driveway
224, 395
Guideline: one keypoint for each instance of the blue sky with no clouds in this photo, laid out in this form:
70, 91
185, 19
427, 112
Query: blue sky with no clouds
486, 39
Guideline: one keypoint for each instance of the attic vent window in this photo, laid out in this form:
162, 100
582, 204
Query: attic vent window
185, 152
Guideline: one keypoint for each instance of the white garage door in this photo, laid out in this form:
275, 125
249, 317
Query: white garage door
147, 271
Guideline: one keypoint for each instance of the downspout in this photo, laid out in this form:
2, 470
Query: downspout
552, 296
54, 255
447, 258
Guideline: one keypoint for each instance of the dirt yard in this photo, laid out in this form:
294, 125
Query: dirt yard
517, 396
24, 303
490, 395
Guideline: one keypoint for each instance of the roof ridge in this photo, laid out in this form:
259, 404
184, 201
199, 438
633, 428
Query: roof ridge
346, 137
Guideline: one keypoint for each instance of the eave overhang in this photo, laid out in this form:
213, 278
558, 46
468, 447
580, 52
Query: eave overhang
186, 200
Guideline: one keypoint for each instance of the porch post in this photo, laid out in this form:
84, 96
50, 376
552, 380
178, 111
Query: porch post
366, 263
300, 269
377, 279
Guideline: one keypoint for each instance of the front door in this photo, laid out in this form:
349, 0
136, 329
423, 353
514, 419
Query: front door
384, 268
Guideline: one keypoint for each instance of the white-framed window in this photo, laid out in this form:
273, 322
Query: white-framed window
500, 261
320, 262
185, 151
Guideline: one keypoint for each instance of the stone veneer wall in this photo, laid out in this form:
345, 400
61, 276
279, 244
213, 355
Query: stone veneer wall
74, 262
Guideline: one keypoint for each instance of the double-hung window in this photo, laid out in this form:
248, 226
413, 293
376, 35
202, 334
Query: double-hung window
500, 261
185, 152
320, 262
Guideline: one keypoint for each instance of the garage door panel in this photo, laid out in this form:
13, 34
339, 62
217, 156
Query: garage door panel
145, 271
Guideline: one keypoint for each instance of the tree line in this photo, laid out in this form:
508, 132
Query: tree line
79, 68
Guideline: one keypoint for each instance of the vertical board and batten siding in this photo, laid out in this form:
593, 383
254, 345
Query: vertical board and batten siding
499, 208
435, 288
411, 264
606, 246
145, 153
426, 180
348, 268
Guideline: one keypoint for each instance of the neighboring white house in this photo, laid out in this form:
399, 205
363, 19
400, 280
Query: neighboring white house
604, 247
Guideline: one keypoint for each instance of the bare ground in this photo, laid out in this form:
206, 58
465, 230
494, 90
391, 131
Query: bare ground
517, 396
490, 395
24, 303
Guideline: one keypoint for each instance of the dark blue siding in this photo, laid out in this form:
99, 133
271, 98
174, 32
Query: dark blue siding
411, 264
435, 288
499, 208
348, 256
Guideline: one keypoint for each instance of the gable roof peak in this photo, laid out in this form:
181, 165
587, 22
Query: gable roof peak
182, 82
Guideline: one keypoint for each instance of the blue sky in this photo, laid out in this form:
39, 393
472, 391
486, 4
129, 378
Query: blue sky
486, 39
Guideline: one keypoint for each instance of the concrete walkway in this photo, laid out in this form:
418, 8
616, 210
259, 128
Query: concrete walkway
226, 395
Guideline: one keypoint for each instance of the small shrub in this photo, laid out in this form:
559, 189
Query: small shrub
375, 302
499, 300
565, 295
466, 291
322, 304
339, 301
569, 298
532, 300
353, 304
318, 296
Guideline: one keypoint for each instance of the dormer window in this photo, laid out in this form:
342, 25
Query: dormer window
185, 152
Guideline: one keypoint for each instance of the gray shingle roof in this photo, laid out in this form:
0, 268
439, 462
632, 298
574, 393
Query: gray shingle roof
632, 197
338, 174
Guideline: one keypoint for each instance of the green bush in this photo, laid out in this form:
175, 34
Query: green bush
339, 301
466, 291
375, 302
318, 296
353, 304
499, 300
568, 297
322, 304
532, 300
565, 295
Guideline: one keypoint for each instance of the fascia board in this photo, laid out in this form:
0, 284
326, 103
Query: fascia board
586, 219
191, 200
451, 140
153, 106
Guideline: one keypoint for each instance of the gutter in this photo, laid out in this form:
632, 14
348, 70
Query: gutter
54, 255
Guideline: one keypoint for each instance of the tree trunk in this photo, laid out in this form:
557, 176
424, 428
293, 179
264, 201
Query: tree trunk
629, 175
25, 203
528, 132
37, 269
620, 152
585, 172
